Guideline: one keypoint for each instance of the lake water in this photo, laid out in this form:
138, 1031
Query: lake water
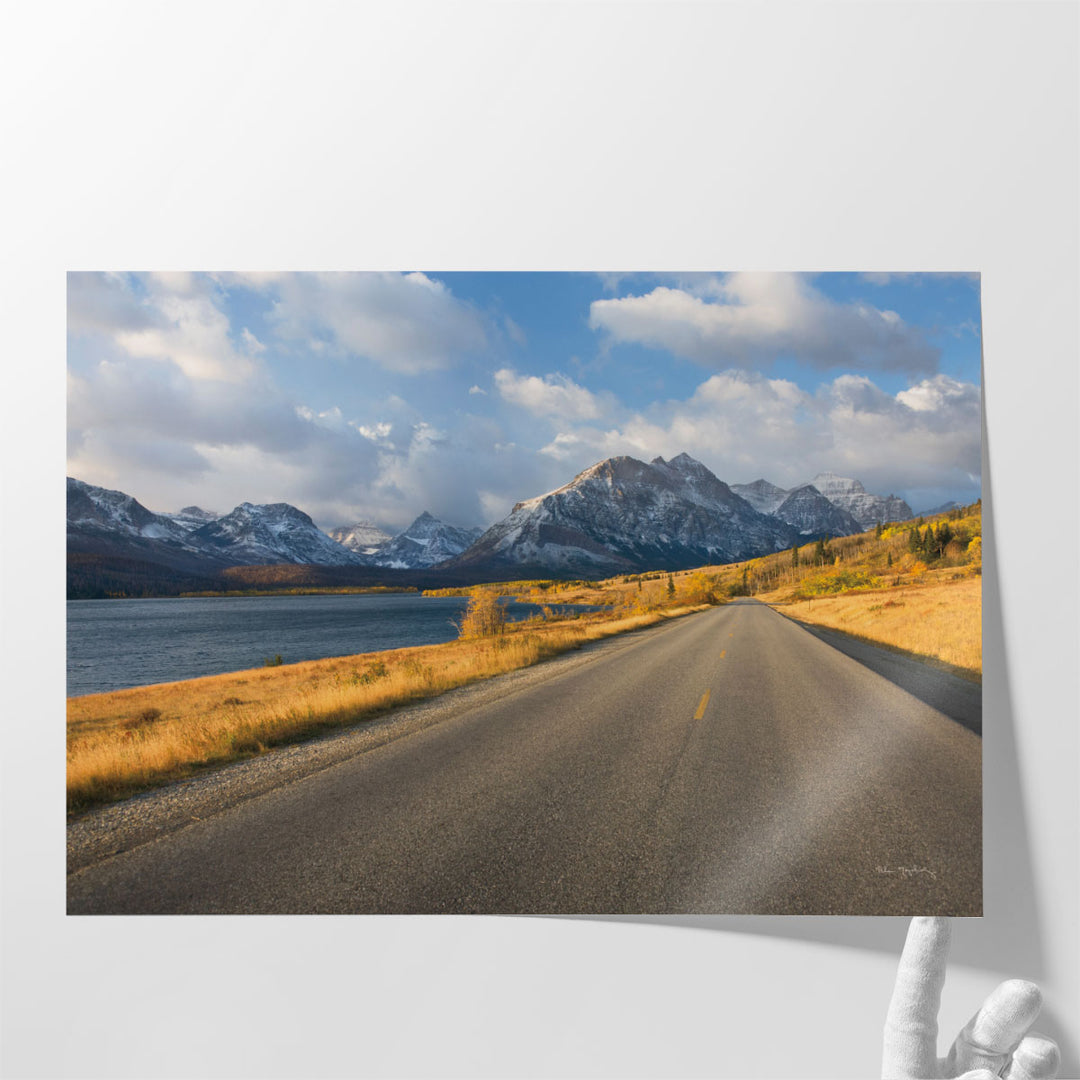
112, 644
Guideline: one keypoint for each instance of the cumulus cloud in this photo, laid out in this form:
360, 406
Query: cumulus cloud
172, 318
743, 425
104, 303
408, 323
154, 428
470, 476
751, 319
553, 395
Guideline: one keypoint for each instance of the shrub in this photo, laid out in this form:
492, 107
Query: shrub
147, 716
374, 672
484, 617
836, 581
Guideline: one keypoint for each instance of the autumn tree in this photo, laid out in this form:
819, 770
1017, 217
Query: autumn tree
484, 616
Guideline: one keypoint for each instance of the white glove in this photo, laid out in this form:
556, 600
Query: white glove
994, 1043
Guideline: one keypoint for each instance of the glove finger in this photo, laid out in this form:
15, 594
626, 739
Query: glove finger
1036, 1058
911, 1026
991, 1035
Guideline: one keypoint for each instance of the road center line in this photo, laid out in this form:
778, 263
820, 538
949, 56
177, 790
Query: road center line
701, 708
723, 653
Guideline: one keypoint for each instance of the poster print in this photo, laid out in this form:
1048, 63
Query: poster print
524, 592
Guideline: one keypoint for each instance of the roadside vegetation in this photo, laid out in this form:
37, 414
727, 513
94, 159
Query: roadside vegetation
914, 587
128, 741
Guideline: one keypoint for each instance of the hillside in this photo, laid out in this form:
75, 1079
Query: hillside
913, 586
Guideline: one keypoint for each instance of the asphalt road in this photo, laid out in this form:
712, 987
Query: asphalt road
729, 762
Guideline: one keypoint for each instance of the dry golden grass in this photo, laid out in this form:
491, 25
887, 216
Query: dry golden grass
940, 620
127, 741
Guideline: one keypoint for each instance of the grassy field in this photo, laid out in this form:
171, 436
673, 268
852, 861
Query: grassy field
915, 587
128, 741
940, 620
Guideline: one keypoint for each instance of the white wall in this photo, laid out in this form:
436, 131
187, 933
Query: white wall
507, 136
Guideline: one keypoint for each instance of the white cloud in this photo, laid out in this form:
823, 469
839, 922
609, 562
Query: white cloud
173, 318
743, 426
751, 319
553, 395
407, 323
375, 432
477, 390
938, 394
251, 343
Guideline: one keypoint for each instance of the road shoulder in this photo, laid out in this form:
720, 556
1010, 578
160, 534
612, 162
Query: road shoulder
957, 698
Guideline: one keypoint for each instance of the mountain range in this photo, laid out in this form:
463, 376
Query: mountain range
104, 522
845, 494
619, 515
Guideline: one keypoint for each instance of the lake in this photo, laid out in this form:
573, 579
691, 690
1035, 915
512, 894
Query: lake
113, 644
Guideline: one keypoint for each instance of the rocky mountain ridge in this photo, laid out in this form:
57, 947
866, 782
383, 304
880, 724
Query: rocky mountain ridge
844, 493
624, 514
618, 515
112, 523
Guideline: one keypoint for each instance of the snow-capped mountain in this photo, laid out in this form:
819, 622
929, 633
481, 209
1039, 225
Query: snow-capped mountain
271, 533
362, 537
624, 514
97, 511
764, 497
865, 508
426, 542
845, 494
813, 516
621, 514
112, 523
191, 517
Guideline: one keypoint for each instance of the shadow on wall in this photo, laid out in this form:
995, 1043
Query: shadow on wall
1007, 940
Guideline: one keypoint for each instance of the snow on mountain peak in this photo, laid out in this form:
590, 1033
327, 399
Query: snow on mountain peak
624, 513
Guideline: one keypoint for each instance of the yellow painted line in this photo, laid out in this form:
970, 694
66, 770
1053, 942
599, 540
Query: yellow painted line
723, 653
701, 708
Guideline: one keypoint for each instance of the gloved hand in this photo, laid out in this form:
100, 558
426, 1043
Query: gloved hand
994, 1043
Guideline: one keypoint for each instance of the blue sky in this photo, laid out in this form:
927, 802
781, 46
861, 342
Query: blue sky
378, 396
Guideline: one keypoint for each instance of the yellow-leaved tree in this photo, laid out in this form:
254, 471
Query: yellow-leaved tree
484, 617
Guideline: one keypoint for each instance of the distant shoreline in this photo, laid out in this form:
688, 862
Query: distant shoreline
311, 590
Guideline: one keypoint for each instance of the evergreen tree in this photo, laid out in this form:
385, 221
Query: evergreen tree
795, 557
944, 535
670, 585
